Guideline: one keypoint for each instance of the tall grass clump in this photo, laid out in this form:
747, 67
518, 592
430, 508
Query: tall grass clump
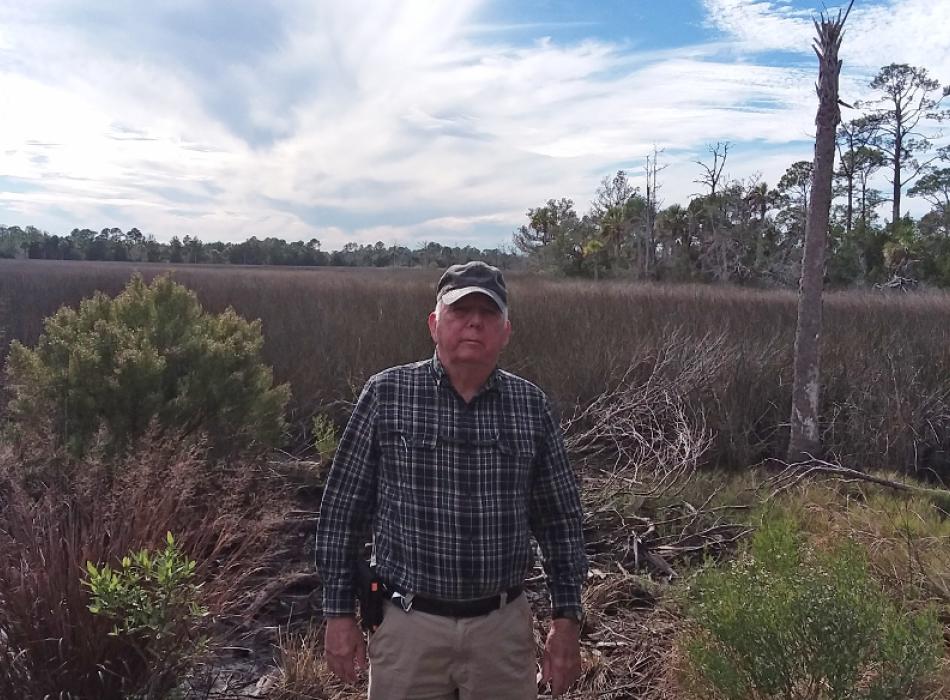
104, 373
69, 634
302, 672
789, 622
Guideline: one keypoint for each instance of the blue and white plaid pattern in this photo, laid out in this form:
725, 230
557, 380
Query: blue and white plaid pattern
452, 491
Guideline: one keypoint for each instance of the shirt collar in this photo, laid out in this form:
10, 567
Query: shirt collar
493, 383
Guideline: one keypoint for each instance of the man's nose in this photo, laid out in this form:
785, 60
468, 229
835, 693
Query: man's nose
476, 317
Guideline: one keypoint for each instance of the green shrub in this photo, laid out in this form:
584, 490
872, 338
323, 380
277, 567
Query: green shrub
325, 439
787, 622
150, 594
155, 607
109, 369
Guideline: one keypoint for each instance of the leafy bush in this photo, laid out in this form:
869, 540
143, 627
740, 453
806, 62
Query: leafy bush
154, 602
787, 622
150, 354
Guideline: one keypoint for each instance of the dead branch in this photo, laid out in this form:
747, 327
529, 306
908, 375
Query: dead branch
277, 587
797, 472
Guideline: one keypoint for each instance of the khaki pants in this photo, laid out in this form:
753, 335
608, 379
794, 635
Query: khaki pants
416, 656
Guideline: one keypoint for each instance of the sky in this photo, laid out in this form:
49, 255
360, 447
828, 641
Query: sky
407, 121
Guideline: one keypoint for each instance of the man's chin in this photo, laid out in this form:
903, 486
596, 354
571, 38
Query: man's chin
474, 354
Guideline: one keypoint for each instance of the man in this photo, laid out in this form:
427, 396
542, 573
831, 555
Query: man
454, 462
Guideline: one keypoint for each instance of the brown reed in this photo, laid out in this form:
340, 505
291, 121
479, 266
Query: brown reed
885, 357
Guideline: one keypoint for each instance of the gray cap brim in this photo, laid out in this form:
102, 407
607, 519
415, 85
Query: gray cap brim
450, 298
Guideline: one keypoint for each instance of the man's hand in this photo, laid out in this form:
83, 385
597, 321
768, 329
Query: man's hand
562, 655
345, 648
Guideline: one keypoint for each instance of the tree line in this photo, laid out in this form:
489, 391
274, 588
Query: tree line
132, 245
744, 231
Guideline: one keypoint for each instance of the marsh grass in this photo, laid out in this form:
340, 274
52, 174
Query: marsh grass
885, 361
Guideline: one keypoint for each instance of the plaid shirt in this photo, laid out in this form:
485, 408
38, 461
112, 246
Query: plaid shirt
452, 490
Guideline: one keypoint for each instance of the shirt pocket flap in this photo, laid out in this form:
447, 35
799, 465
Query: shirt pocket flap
517, 447
407, 439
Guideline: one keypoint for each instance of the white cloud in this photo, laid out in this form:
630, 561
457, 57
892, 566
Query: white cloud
760, 25
876, 34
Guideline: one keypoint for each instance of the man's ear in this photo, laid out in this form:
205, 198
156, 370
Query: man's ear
507, 332
433, 325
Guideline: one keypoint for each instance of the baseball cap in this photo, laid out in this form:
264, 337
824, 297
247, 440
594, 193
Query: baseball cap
461, 280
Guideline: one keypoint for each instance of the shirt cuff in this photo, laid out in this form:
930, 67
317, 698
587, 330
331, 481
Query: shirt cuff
338, 602
566, 597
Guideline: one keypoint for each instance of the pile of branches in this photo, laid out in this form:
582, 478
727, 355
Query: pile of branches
640, 443
628, 638
644, 428
638, 446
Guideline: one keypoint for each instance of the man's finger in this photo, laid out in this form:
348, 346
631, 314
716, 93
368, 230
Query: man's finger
557, 681
546, 668
559, 684
362, 662
342, 667
563, 678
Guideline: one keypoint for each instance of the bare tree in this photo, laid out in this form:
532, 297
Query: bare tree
867, 162
653, 206
713, 173
804, 439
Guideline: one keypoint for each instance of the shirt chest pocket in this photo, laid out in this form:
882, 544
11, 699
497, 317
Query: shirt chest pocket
514, 462
408, 457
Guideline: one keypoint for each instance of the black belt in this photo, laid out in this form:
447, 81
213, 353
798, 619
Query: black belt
462, 608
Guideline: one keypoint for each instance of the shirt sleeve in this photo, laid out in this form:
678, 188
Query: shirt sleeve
556, 519
348, 501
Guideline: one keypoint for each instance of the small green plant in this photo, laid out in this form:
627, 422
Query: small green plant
325, 439
115, 366
788, 622
150, 594
155, 605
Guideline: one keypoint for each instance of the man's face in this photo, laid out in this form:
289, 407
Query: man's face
470, 331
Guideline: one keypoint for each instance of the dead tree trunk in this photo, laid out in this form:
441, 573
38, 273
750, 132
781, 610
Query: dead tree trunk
653, 204
805, 439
